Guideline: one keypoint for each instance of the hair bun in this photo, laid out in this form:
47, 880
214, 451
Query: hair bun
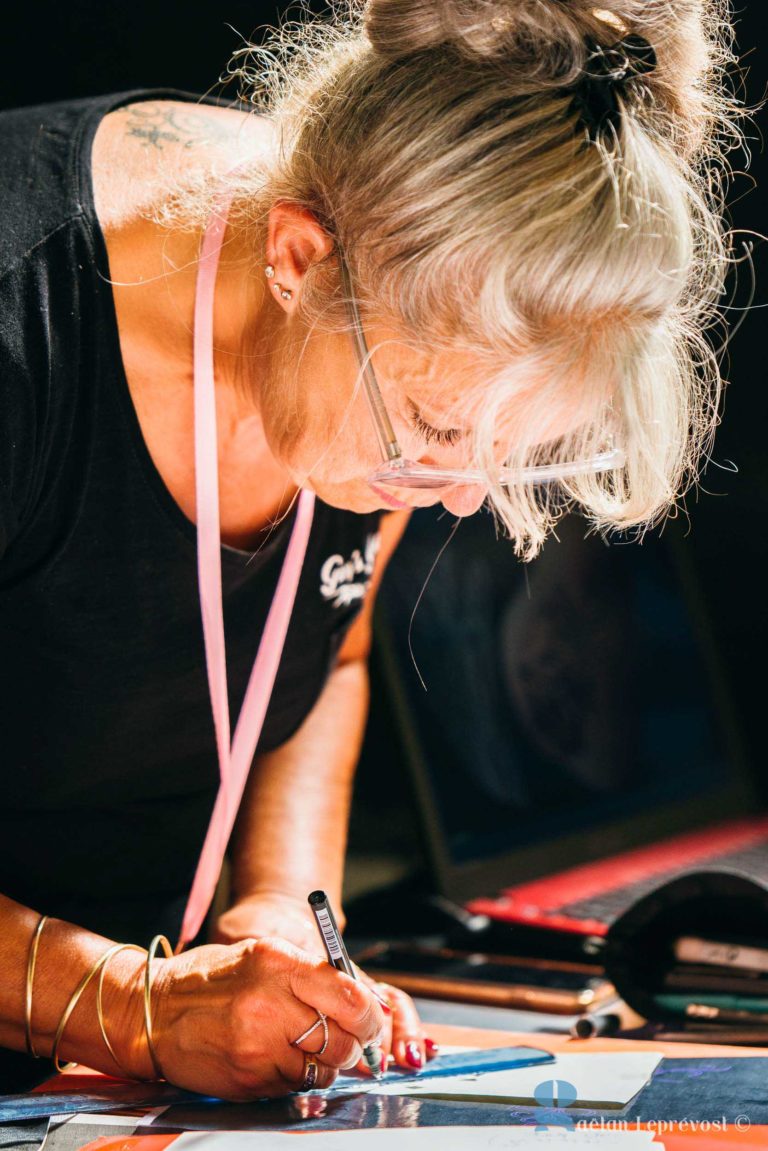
548, 44
525, 31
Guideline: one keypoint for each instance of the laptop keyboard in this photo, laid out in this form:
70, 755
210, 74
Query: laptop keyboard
606, 906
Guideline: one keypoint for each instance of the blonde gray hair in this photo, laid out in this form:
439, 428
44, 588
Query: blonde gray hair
437, 141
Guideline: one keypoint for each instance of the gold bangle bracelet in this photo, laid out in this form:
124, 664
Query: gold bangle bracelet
100, 1005
75, 998
31, 962
158, 941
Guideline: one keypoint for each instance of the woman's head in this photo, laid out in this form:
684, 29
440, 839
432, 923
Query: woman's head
566, 273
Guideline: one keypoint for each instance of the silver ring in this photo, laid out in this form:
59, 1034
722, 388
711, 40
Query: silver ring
321, 1021
310, 1073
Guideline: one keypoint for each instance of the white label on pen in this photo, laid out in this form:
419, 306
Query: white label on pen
329, 935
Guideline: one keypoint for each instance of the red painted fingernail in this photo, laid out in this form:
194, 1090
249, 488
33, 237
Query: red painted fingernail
384, 1062
385, 1006
431, 1046
413, 1055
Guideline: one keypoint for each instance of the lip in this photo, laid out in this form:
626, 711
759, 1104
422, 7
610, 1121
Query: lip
389, 500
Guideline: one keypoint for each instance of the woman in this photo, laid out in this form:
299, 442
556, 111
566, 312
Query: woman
467, 238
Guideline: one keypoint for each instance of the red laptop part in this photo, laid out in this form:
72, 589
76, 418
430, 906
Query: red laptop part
554, 900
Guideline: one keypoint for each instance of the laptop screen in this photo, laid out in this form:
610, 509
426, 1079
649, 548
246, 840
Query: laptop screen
568, 707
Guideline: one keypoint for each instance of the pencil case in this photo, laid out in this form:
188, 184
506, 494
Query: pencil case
638, 952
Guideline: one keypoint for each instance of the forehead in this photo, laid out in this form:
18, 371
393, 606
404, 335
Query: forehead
426, 372
452, 387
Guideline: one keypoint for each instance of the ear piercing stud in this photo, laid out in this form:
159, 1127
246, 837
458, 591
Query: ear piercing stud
285, 293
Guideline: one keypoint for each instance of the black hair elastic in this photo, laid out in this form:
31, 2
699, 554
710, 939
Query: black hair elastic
610, 74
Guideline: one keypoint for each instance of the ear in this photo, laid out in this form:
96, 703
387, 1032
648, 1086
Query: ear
295, 241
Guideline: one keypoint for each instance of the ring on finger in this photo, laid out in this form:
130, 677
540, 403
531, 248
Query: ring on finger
321, 1021
310, 1073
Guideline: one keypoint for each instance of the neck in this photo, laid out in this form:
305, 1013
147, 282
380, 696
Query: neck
155, 273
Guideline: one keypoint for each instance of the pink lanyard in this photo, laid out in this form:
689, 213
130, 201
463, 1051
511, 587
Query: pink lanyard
235, 758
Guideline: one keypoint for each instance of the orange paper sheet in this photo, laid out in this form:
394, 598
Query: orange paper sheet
730, 1140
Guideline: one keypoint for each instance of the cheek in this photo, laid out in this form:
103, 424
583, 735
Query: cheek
293, 423
314, 424
331, 455
339, 445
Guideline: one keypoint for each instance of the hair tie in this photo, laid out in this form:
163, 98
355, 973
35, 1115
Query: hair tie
609, 74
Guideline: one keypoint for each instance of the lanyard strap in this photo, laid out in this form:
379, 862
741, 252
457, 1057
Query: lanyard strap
235, 757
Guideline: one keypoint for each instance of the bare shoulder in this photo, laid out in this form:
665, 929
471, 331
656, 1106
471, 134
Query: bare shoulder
142, 150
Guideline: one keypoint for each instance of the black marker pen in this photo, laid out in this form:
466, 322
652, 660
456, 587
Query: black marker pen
338, 957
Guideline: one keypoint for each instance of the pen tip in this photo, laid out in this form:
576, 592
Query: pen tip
372, 1056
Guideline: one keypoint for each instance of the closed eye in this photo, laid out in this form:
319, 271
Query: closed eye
445, 437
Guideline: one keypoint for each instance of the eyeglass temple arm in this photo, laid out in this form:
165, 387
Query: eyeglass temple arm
390, 449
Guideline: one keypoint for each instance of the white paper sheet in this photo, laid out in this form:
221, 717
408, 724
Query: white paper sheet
599, 1080
423, 1139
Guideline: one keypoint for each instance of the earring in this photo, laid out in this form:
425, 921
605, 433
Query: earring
269, 271
286, 293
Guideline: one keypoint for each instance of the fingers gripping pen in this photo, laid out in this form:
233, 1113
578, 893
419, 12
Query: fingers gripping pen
338, 957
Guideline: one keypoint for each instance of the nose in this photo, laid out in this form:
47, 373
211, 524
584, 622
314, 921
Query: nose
464, 500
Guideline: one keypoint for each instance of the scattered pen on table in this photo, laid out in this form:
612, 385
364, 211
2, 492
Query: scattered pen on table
706, 1012
338, 957
721, 1036
680, 1003
621, 1017
591, 1026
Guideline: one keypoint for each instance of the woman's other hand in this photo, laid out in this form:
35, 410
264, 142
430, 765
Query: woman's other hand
404, 1035
273, 915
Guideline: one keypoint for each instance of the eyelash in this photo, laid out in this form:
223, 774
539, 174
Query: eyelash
445, 437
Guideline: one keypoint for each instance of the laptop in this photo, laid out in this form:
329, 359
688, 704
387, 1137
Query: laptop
566, 724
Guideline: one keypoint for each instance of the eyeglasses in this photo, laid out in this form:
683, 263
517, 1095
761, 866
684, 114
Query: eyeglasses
397, 471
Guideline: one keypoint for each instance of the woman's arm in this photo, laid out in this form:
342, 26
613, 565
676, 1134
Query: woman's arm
291, 833
65, 953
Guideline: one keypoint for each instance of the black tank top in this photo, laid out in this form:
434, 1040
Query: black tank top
108, 768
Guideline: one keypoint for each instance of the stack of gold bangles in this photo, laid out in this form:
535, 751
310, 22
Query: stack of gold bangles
98, 968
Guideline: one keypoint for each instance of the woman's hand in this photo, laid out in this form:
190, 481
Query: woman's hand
290, 918
224, 1018
273, 915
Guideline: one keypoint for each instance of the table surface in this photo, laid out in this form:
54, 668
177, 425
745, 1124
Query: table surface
481, 1027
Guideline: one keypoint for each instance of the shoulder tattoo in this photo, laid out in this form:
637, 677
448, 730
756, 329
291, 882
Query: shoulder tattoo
155, 124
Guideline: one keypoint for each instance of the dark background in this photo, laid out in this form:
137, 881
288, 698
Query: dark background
56, 50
